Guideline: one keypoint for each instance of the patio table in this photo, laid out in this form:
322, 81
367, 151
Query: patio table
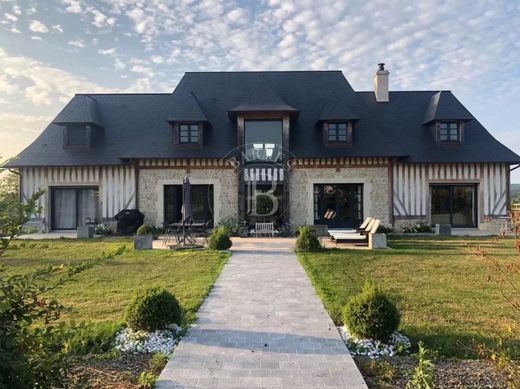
183, 233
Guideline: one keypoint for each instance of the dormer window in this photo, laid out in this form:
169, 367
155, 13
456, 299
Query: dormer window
337, 133
76, 136
188, 133
449, 132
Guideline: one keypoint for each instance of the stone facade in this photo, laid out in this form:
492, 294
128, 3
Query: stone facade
151, 191
376, 189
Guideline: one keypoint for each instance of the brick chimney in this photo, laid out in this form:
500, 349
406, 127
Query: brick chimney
381, 84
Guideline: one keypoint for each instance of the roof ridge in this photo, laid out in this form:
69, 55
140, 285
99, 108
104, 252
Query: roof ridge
122, 94
409, 91
264, 71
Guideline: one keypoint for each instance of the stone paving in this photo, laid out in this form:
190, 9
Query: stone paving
262, 325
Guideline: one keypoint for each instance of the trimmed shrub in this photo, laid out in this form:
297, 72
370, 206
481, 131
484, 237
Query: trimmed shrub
153, 309
144, 230
371, 314
219, 239
306, 241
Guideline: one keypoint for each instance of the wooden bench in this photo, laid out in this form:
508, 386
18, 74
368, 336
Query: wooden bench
264, 229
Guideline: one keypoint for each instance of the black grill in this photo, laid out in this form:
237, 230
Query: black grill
128, 221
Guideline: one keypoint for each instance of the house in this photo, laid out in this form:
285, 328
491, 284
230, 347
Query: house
296, 147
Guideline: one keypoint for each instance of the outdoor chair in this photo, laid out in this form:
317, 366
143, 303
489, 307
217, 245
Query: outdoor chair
264, 229
360, 238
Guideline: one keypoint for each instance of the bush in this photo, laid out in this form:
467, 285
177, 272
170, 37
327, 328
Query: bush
384, 229
154, 309
231, 224
306, 241
219, 239
91, 338
144, 230
419, 227
370, 314
103, 229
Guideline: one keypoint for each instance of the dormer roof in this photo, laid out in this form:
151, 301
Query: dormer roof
82, 109
262, 98
444, 106
186, 108
337, 110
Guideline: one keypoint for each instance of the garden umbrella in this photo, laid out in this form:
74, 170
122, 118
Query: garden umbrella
187, 216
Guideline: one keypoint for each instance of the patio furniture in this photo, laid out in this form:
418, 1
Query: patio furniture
264, 229
359, 238
183, 234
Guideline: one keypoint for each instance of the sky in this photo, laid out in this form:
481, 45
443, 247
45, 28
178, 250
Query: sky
50, 50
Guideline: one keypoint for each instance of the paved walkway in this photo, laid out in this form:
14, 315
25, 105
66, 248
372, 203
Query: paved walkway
262, 326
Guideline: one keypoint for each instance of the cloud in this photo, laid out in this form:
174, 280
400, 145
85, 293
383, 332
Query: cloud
101, 20
39, 83
37, 26
142, 69
73, 6
57, 28
119, 65
107, 51
36, 38
157, 59
79, 43
10, 17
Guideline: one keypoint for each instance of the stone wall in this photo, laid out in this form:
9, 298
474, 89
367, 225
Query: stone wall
151, 190
376, 197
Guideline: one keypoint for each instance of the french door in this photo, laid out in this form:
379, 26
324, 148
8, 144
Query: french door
338, 205
201, 203
73, 207
454, 204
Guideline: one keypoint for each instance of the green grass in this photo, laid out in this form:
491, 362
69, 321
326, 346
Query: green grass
101, 293
439, 285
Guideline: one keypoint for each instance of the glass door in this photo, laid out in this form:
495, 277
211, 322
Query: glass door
338, 205
454, 204
73, 207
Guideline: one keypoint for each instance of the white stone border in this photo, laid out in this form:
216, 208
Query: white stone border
367, 189
193, 181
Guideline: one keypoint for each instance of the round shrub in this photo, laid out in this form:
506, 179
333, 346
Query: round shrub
306, 241
153, 309
370, 314
144, 230
219, 239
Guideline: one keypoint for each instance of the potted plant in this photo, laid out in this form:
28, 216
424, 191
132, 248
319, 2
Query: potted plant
143, 239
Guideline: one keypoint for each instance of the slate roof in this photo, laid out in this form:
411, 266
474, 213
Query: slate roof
186, 107
137, 125
445, 106
81, 109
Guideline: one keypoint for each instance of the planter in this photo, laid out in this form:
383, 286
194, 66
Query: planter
377, 241
443, 229
319, 230
86, 232
143, 242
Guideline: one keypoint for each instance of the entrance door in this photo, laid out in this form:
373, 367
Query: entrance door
338, 205
454, 204
201, 203
72, 207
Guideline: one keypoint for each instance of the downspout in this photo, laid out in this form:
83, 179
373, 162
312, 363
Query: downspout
20, 194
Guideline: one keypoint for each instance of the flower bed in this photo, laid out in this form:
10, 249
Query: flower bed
164, 341
398, 344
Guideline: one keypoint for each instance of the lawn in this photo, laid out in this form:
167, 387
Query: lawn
439, 285
101, 293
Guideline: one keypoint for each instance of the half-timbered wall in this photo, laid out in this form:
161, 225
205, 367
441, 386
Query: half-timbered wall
411, 186
116, 185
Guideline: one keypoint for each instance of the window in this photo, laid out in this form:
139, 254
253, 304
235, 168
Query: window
338, 133
73, 207
201, 203
263, 139
449, 132
77, 136
189, 133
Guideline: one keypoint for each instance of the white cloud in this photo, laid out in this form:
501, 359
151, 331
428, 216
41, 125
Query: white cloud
37, 26
10, 17
101, 20
107, 51
73, 6
119, 65
57, 28
157, 59
17, 10
140, 69
36, 38
79, 43
15, 30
